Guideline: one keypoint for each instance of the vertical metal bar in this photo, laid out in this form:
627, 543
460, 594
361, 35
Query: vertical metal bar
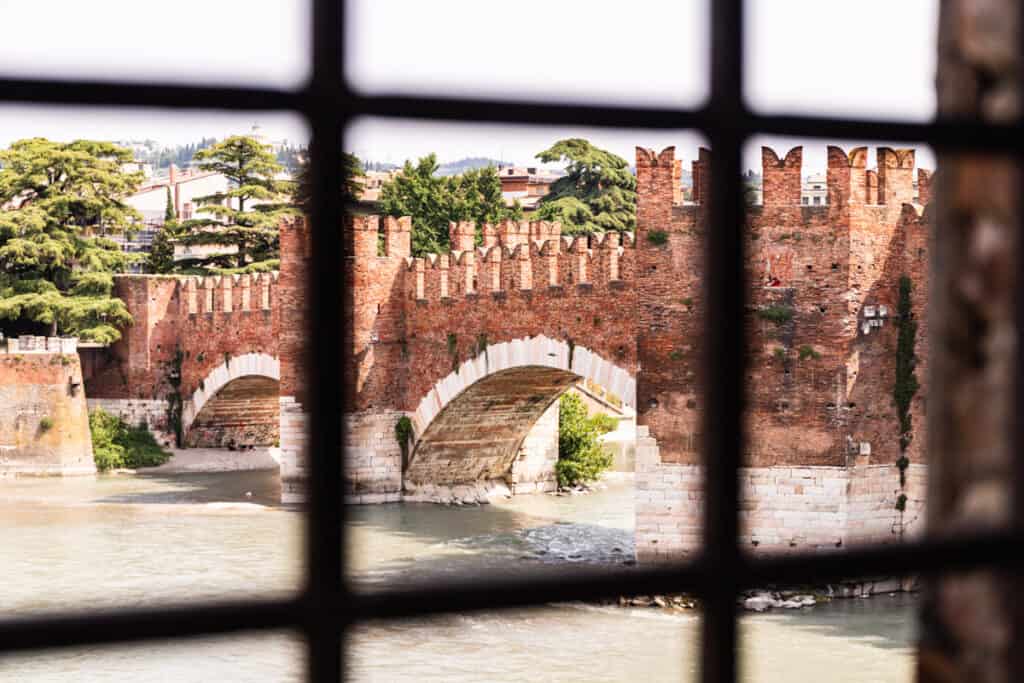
725, 350
1015, 667
326, 339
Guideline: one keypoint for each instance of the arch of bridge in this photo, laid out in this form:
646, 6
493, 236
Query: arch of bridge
470, 424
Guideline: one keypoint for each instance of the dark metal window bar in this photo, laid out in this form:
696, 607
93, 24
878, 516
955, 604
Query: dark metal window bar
325, 608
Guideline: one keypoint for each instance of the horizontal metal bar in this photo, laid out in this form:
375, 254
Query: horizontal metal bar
926, 558
169, 96
107, 627
948, 134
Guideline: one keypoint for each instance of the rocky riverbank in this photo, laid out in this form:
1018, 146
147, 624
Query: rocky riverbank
781, 599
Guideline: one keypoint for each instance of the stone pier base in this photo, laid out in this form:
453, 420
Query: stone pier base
782, 509
374, 469
533, 470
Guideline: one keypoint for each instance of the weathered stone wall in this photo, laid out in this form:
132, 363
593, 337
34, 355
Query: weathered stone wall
138, 411
782, 509
44, 422
533, 470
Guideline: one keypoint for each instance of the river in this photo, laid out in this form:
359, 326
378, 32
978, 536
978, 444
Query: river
145, 539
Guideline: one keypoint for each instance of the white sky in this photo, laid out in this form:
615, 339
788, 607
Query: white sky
864, 58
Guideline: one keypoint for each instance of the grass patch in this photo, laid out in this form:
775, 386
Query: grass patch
116, 444
806, 351
779, 315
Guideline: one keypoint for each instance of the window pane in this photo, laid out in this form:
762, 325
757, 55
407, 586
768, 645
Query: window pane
180, 345
568, 51
837, 327
210, 42
864, 59
488, 332
276, 656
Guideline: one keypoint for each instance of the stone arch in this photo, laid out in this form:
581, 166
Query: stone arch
470, 425
243, 370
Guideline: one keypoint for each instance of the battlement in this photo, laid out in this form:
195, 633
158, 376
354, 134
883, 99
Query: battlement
225, 294
35, 344
848, 180
518, 256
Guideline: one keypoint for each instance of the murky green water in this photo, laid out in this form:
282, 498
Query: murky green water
143, 540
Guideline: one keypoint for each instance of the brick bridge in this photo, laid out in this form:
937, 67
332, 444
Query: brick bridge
475, 347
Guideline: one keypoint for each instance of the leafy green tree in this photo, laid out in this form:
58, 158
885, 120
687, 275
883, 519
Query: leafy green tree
433, 201
581, 458
56, 266
246, 215
597, 193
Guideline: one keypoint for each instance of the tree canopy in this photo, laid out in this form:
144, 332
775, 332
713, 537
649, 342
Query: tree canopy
245, 216
352, 186
433, 201
597, 193
56, 265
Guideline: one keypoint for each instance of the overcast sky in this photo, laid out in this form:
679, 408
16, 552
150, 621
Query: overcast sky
864, 58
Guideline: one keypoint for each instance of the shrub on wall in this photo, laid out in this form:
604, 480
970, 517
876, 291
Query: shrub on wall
580, 457
116, 444
776, 314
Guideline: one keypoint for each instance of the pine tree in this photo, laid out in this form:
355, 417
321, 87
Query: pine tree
597, 193
169, 214
56, 267
245, 216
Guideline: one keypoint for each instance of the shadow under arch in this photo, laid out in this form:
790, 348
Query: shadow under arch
470, 425
237, 402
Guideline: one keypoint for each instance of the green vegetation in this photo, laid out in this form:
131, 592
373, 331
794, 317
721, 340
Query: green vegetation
658, 238
688, 301
580, 457
245, 216
779, 353
45, 424
779, 315
433, 201
675, 354
174, 399
59, 201
597, 193
807, 351
351, 189
403, 433
906, 384
115, 444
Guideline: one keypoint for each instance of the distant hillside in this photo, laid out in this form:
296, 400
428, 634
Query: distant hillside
463, 165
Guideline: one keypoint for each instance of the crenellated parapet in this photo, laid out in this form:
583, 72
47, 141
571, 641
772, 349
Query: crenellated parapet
227, 294
518, 256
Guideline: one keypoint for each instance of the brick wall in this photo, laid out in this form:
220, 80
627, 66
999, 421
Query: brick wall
821, 328
40, 388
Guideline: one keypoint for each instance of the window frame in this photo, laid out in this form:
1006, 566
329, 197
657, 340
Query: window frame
326, 607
